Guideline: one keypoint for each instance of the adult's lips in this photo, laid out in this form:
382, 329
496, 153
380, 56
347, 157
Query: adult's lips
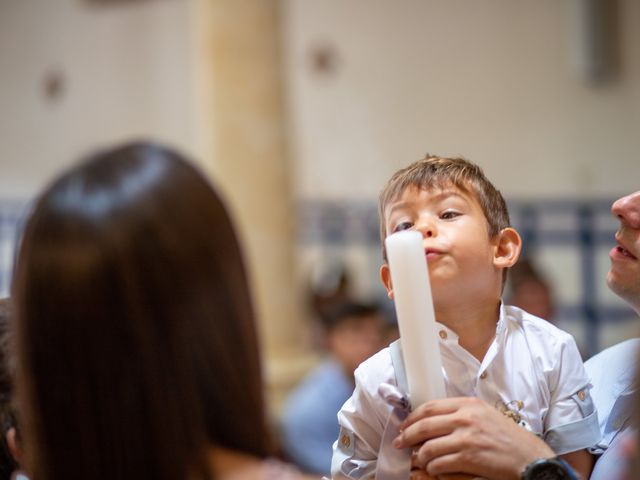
621, 250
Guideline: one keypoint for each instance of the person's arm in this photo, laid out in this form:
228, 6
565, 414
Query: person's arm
581, 461
571, 422
466, 435
304, 440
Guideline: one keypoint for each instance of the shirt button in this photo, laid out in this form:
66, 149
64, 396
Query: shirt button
443, 334
483, 375
345, 441
582, 395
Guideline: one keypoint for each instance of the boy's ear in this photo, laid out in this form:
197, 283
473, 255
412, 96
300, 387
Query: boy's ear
508, 247
385, 276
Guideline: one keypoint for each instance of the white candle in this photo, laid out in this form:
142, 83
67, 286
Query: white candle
416, 319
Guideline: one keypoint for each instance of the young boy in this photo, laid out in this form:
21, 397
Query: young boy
522, 365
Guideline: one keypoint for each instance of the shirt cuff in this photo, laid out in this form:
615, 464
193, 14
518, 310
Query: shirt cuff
574, 436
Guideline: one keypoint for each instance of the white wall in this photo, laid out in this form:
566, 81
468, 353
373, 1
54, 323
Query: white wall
126, 70
491, 80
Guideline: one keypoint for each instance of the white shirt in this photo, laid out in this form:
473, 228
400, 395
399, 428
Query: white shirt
532, 368
614, 390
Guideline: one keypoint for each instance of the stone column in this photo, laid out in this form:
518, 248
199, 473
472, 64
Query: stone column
241, 132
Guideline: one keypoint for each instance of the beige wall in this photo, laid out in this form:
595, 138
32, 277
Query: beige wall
125, 68
491, 80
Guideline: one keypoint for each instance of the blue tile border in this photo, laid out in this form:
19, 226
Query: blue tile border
11, 221
584, 225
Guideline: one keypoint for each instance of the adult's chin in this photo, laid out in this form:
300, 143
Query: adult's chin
626, 285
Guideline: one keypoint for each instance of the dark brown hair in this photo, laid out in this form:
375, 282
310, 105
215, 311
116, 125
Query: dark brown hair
136, 338
347, 311
441, 172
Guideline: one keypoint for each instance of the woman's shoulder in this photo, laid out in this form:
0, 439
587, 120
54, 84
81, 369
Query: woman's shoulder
267, 469
274, 469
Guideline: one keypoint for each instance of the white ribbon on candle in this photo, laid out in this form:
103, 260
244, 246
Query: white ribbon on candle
416, 318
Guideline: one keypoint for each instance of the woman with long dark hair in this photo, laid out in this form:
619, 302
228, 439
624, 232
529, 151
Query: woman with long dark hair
136, 344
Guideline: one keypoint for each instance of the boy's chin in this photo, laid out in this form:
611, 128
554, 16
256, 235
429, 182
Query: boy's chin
441, 285
443, 296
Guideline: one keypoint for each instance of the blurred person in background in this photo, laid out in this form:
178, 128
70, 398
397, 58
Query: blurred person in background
329, 286
530, 290
136, 344
352, 333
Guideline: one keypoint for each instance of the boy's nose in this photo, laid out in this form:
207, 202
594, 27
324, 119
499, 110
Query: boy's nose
627, 209
427, 229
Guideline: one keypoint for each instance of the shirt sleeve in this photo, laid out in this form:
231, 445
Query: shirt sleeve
309, 425
613, 389
362, 420
571, 422
305, 442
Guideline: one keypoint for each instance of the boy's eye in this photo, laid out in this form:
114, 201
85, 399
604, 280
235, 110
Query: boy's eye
449, 214
403, 226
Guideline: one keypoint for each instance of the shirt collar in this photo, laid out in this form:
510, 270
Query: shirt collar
501, 326
449, 336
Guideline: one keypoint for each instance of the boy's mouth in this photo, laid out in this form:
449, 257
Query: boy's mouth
432, 253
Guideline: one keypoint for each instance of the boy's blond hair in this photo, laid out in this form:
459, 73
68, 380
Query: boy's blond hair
441, 172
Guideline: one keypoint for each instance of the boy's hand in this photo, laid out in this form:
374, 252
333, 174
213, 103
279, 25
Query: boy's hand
467, 435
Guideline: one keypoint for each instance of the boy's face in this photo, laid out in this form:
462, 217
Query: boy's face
460, 254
